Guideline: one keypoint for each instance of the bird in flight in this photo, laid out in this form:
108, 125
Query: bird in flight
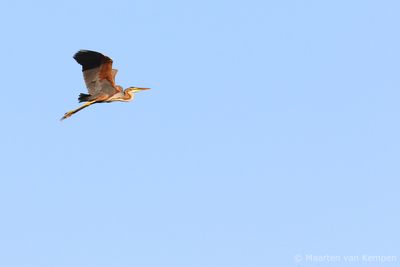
99, 78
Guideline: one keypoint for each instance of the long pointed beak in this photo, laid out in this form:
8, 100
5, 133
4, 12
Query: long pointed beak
138, 89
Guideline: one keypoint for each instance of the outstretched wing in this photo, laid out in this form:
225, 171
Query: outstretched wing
97, 71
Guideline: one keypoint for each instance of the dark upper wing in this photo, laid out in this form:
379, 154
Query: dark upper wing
97, 72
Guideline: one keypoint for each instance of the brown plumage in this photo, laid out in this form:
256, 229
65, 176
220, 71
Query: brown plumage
99, 78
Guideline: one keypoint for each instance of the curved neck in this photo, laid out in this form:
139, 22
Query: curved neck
128, 95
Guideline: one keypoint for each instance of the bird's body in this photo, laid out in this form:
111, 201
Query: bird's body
99, 78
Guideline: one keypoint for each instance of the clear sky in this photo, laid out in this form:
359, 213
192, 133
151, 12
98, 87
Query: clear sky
270, 135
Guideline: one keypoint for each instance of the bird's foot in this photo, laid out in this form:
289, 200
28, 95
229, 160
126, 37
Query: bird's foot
66, 115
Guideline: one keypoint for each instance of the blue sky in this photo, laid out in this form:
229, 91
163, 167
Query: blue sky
270, 134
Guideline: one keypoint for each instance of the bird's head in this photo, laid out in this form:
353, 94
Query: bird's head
130, 93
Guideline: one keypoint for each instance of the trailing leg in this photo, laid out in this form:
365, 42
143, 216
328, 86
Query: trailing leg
70, 113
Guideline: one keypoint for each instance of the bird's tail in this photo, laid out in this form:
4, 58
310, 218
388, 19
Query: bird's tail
83, 97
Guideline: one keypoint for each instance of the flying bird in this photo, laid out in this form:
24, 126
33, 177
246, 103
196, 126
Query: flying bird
99, 78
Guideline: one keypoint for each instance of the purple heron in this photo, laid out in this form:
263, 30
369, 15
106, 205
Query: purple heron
99, 78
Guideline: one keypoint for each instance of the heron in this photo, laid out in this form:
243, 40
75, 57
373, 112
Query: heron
99, 78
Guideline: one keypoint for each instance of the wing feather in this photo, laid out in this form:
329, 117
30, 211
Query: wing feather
97, 72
